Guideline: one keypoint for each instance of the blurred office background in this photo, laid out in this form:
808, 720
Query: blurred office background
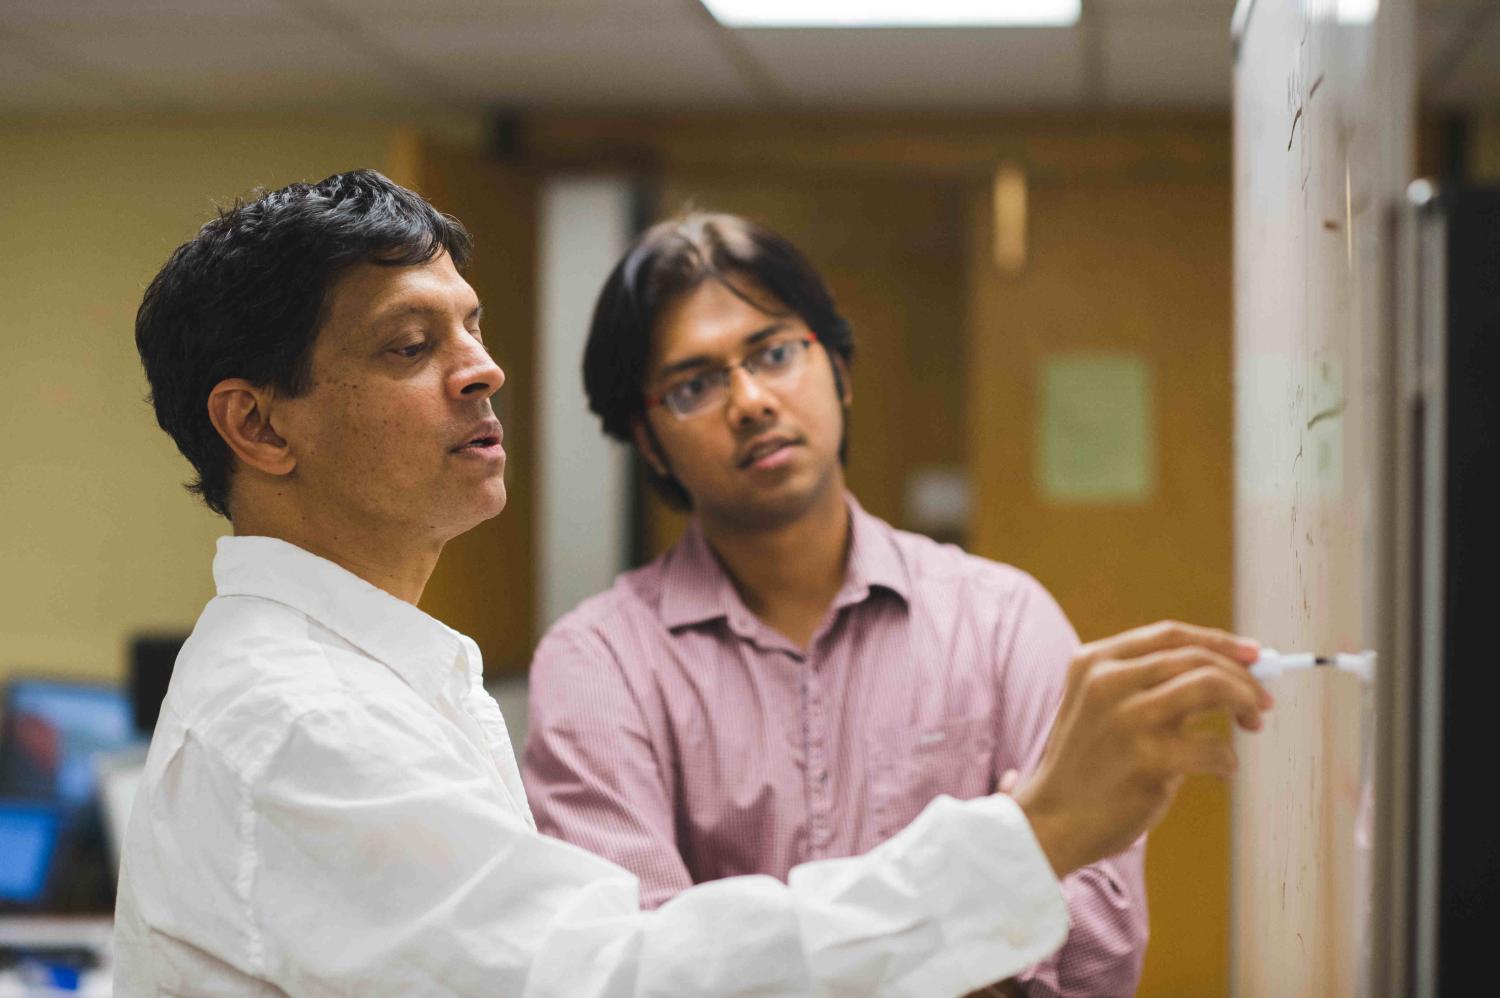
1029, 227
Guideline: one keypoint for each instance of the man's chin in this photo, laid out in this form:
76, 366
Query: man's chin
770, 509
486, 507
495, 503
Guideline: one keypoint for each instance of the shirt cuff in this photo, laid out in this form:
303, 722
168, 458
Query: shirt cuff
987, 902
994, 886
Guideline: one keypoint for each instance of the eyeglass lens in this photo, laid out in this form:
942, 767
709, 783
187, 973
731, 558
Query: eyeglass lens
775, 364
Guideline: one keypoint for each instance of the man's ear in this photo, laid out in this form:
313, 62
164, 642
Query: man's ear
842, 380
241, 412
645, 443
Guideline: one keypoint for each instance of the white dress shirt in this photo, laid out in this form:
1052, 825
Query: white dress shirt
331, 806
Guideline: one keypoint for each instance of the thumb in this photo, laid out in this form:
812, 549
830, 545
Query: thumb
1008, 781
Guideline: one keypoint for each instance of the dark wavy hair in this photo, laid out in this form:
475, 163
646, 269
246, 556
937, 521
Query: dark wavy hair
669, 260
244, 298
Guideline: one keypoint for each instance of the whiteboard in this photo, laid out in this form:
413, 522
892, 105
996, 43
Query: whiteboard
1323, 114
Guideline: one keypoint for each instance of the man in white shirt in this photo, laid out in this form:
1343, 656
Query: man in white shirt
331, 805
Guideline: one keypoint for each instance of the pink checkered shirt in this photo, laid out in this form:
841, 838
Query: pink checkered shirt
674, 733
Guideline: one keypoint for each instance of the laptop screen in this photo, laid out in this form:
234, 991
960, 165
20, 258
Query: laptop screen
52, 731
28, 837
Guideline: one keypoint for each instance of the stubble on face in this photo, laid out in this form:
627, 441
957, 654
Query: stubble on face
377, 428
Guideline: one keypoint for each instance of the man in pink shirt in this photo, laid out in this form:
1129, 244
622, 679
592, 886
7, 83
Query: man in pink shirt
795, 679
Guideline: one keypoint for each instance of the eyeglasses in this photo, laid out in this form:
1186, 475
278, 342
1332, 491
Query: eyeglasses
776, 365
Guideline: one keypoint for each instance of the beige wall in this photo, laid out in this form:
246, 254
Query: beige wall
97, 537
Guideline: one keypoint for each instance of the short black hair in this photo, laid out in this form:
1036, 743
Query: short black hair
666, 262
244, 298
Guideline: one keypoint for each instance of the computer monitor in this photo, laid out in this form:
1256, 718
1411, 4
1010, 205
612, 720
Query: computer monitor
152, 657
29, 833
50, 734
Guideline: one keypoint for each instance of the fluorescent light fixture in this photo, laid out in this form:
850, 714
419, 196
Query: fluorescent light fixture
893, 13
1357, 11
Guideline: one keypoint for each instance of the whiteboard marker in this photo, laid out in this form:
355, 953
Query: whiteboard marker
1273, 663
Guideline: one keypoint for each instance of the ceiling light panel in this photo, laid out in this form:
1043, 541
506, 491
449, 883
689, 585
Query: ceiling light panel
893, 13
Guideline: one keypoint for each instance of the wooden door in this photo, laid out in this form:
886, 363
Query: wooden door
1137, 275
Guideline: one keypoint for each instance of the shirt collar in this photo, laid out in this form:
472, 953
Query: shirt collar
422, 650
874, 559
696, 589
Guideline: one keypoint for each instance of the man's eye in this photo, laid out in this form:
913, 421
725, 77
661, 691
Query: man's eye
411, 350
688, 391
774, 357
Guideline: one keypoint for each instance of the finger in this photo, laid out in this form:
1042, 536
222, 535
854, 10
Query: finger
1202, 753
1117, 680
1167, 634
1169, 704
1008, 781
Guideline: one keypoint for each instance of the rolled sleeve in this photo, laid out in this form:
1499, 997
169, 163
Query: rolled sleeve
410, 878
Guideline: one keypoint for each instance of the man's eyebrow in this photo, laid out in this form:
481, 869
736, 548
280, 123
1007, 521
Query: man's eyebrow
699, 360
395, 314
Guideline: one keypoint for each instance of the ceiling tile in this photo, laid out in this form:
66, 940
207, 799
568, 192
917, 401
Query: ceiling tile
97, 15
922, 67
26, 86
1157, 10
618, 64
1168, 67
639, 54
271, 69
1204, 15
511, 11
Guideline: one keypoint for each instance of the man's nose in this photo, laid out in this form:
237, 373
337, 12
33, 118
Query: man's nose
749, 400
476, 374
